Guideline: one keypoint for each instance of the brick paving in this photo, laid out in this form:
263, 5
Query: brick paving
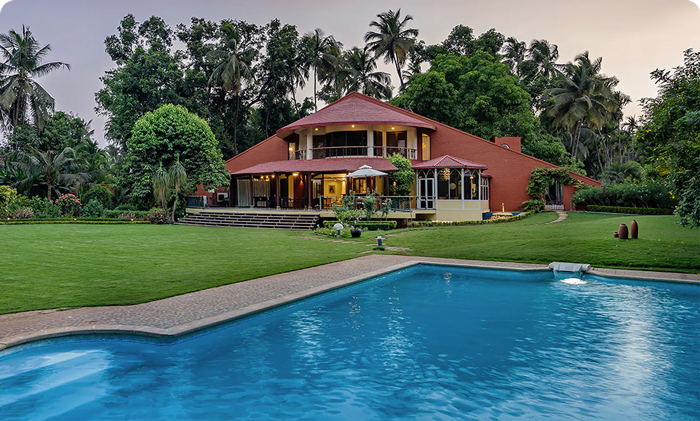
188, 312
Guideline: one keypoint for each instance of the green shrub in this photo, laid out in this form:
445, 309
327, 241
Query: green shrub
643, 195
479, 222
93, 209
533, 205
623, 209
344, 233
70, 221
44, 208
370, 225
10, 201
127, 207
157, 216
101, 194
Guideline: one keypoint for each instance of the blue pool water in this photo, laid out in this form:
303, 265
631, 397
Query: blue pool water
425, 343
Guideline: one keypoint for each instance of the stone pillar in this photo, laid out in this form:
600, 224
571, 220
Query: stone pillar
252, 201
309, 142
370, 140
309, 192
278, 187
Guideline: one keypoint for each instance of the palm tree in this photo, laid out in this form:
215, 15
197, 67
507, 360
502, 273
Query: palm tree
165, 181
177, 177
51, 169
543, 55
514, 54
582, 98
321, 53
234, 68
20, 95
392, 39
359, 74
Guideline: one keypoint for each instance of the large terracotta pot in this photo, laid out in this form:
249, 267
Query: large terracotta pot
634, 229
622, 232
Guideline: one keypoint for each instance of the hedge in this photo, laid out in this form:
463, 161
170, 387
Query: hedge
623, 209
479, 222
370, 225
70, 221
117, 214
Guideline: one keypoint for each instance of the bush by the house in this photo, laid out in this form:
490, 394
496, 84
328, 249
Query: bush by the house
533, 205
10, 201
642, 195
101, 194
126, 207
69, 221
370, 225
623, 209
93, 209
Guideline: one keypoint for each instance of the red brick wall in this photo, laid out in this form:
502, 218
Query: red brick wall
510, 169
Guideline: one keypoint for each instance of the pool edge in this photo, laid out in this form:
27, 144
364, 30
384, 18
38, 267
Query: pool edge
197, 325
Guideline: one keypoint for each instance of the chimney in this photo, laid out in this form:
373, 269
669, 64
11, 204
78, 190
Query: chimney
508, 142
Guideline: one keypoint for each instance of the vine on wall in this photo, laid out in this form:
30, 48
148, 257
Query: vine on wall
540, 179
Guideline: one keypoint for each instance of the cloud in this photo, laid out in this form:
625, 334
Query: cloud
3, 3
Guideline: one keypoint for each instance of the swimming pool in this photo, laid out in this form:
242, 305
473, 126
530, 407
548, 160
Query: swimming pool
427, 342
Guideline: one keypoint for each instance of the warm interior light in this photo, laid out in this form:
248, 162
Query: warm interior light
316, 129
353, 125
392, 128
295, 174
273, 176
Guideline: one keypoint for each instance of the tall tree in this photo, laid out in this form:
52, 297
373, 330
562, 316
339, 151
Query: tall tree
544, 55
582, 99
514, 54
392, 39
51, 169
321, 54
22, 98
234, 67
359, 73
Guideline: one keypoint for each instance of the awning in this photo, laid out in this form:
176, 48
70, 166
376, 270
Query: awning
366, 171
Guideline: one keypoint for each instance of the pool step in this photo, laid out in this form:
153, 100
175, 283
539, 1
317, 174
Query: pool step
46, 387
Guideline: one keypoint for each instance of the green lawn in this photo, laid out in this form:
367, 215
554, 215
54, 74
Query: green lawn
583, 237
54, 266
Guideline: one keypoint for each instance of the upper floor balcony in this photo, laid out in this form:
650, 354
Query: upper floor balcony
354, 152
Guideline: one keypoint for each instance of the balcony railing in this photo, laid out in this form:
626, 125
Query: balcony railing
354, 151
398, 203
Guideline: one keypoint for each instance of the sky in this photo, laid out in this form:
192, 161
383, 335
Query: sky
634, 37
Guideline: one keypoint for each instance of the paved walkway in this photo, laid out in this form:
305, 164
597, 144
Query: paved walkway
562, 216
189, 312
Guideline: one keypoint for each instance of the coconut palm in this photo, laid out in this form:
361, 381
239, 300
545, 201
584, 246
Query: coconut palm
582, 98
359, 74
233, 69
321, 53
543, 56
177, 178
165, 181
53, 170
21, 97
392, 39
514, 54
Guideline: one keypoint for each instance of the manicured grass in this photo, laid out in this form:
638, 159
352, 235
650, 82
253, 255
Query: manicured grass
583, 237
55, 266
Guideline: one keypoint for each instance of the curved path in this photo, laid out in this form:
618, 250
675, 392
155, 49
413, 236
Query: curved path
562, 216
190, 312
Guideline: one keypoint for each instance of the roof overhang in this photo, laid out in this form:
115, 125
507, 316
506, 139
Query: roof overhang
327, 165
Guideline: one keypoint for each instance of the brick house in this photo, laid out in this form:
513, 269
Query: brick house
459, 176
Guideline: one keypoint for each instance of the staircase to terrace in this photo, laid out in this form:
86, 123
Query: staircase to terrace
276, 220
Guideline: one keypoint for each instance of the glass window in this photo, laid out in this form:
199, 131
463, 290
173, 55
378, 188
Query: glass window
425, 147
484, 188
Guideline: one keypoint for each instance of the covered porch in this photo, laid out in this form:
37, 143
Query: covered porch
299, 185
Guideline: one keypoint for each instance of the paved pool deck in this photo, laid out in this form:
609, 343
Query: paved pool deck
194, 311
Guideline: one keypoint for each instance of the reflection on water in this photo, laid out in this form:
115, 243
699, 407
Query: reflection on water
425, 343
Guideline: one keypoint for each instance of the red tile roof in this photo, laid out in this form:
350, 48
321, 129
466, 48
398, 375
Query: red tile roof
327, 165
448, 161
355, 108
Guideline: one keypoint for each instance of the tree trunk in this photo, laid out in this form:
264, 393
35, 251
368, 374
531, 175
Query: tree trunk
575, 140
398, 70
315, 104
235, 125
48, 192
172, 219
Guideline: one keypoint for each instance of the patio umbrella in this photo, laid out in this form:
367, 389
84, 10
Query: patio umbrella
366, 171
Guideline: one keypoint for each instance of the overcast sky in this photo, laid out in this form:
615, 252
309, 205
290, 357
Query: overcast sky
634, 37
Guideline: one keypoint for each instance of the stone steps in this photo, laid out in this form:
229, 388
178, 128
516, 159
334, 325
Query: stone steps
271, 220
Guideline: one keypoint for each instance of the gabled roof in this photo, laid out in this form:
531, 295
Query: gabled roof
326, 165
355, 108
448, 161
